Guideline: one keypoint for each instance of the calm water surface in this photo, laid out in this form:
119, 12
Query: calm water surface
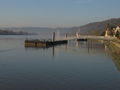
76, 66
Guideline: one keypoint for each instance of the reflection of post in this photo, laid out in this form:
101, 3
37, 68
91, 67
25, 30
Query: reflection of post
77, 43
88, 46
53, 38
91, 44
53, 51
106, 49
66, 47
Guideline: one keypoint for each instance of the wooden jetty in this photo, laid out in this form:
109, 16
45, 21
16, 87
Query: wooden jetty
43, 44
64, 40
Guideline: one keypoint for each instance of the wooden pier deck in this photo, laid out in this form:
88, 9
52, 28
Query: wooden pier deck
43, 44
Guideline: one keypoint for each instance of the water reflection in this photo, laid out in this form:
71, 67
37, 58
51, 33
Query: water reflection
90, 47
76, 66
114, 52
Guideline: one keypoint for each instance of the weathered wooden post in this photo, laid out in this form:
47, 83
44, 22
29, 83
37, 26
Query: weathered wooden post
77, 35
106, 33
66, 36
53, 38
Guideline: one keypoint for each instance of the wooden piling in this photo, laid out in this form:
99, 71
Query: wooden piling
53, 36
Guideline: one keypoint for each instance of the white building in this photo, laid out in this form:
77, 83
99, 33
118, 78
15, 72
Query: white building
117, 29
112, 32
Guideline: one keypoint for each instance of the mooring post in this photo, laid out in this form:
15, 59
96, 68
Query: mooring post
77, 35
66, 36
53, 38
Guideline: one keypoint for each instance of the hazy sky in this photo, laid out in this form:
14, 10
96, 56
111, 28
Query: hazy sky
56, 13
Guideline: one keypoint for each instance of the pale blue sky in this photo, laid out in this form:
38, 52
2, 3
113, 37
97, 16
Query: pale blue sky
56, 13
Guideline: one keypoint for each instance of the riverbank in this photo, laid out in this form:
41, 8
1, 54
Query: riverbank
114, 51
116, 43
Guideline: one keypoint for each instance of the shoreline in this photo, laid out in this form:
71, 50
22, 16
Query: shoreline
117, 44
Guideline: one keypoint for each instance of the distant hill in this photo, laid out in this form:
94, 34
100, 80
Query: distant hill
97, 27
38, 30
8, 32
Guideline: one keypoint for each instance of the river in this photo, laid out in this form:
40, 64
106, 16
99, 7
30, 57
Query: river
75, 66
